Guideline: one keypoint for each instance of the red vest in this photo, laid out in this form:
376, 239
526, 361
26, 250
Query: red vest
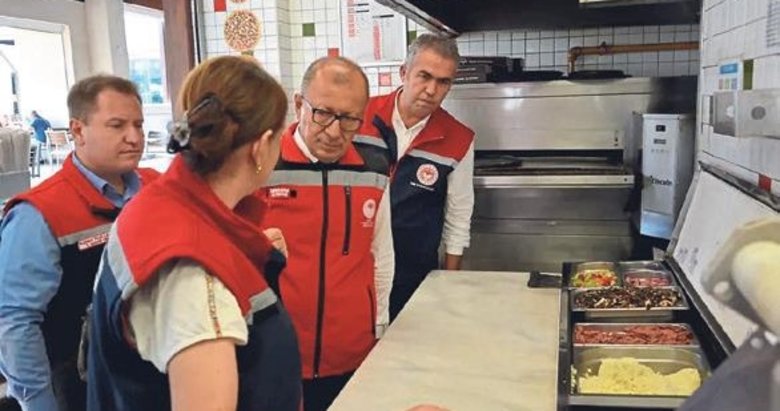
70, 204
327, 214
418, 189
179, 216
79, 218
443, 135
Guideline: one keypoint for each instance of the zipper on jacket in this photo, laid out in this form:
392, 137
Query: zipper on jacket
371, 304
348, 218
321, 290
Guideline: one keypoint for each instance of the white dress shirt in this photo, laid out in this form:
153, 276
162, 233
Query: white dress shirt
381, 247
460, 187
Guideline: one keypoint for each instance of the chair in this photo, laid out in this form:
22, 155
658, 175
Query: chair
35, 159
59, 144
153, 138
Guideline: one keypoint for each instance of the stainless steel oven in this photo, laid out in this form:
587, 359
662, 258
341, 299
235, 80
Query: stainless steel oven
555, 167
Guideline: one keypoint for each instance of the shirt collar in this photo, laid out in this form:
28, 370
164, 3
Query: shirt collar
298, 138
131, 180
398, 122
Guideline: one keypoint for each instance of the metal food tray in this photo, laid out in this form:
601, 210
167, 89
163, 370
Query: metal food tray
593, 265
647, 273
641, 265
617, 326
662, 360
656, 313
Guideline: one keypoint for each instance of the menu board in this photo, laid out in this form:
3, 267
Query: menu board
371, 32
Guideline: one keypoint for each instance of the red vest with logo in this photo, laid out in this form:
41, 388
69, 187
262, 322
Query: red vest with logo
79, 218
180, 216
327, 214
418, 188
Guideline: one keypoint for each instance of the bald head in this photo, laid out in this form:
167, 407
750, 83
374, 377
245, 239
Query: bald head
330, 106
336, 70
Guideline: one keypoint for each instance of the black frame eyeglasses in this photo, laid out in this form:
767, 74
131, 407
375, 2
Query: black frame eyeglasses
325, 118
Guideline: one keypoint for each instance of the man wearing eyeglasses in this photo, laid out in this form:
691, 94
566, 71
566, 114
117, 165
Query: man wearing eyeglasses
432, 193
325, 196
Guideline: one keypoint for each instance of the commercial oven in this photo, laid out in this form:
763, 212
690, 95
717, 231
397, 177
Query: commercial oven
555, 163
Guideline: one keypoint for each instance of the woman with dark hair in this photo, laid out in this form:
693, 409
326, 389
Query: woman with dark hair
185, 315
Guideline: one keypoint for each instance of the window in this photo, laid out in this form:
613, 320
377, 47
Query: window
144, 33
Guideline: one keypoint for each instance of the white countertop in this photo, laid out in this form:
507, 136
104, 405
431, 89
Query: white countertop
467, 340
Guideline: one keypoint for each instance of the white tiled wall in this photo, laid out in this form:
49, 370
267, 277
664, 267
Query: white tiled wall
547, 50
735, 30
286, 51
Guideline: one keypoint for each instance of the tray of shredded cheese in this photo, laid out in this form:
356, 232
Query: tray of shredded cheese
613, 376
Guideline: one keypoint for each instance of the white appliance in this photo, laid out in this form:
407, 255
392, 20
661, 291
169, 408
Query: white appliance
667, 169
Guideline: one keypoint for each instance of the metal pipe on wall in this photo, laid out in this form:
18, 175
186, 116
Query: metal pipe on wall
606, 49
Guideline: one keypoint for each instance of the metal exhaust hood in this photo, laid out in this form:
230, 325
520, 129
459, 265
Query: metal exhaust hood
452, 17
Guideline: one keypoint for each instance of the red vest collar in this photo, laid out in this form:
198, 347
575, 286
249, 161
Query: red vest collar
432, 131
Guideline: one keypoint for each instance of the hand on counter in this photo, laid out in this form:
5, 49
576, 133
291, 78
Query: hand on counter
277, 239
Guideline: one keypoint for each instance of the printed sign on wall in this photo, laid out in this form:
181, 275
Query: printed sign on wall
371, 32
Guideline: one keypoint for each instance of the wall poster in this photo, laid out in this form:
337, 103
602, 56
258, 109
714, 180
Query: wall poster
371, 32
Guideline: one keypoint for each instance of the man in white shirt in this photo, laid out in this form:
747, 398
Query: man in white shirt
431, 191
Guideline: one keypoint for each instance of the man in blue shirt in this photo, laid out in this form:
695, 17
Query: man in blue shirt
50, 242
39, 126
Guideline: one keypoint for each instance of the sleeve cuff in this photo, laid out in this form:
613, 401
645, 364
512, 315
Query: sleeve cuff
454, 249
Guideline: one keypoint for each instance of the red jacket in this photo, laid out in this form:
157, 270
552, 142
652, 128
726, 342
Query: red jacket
327, 214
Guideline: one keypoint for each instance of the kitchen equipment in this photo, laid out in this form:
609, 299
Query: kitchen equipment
553, 170
667, 169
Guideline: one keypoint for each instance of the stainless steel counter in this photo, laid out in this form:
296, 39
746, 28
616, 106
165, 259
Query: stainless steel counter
467, 340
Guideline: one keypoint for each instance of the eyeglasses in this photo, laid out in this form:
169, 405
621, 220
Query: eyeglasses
325, 118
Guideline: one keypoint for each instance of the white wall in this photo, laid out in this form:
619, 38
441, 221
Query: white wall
40, 64
33, 14
735, 30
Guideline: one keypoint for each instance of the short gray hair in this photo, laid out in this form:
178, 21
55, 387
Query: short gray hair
444, 46
321, 62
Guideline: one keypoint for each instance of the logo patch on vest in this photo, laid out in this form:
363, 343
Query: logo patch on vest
369, 208
281, 192
93, 241
427, 174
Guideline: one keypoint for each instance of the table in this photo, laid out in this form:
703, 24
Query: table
467, 340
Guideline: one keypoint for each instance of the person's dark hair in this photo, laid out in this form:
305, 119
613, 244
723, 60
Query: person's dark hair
444, 46
229, 101
321, 62
82, 97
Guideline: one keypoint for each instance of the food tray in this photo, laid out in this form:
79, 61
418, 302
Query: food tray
641, 265
662, 360
656, 312
647, 278
620, 327
579, 269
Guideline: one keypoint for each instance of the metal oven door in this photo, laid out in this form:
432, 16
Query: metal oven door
536, 222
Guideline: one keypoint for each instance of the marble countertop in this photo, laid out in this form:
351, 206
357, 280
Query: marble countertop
467, 340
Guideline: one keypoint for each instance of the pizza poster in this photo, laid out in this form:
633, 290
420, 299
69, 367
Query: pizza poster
371, 32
